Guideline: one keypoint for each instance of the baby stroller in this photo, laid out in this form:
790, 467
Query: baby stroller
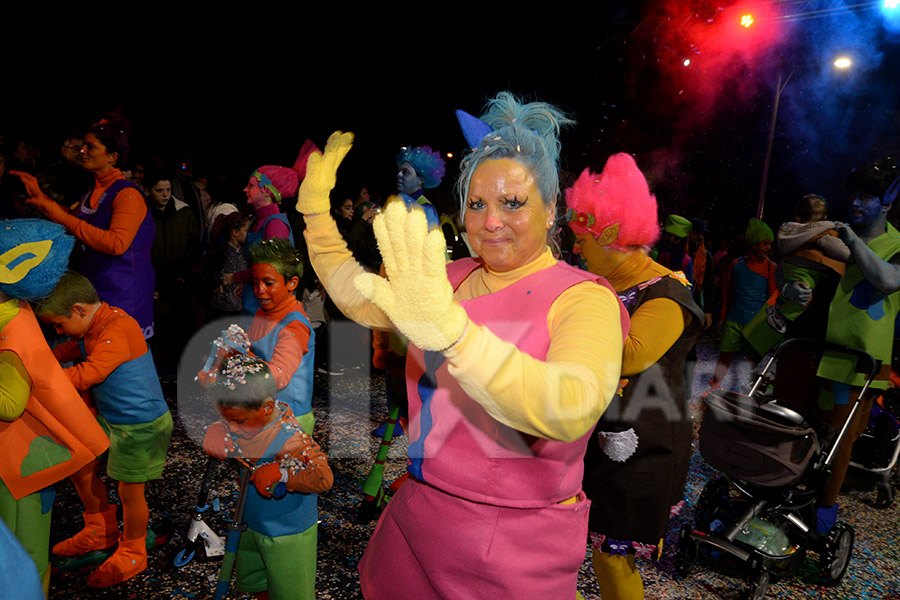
775, 465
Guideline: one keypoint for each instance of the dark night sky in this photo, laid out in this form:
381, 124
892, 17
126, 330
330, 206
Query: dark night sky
233, 106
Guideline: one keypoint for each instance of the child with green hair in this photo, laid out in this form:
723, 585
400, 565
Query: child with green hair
748, 283
281, 333
277, 553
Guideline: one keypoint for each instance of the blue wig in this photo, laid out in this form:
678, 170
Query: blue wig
525, 132
24, 274
427, 163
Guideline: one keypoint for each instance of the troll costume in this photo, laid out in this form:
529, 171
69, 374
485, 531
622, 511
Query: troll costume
496, 436
429, 168
391, 347
269, 222
636, 465
46, 432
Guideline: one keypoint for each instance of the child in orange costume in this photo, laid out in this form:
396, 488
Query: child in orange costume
46, 432
118, 369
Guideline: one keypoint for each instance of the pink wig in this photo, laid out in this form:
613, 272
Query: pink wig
283, 182
620, 194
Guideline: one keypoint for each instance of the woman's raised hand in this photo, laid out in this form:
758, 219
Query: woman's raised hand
417, 296
321, 174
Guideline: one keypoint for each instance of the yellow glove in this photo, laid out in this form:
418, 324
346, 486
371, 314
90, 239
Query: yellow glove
417, 296
321, 174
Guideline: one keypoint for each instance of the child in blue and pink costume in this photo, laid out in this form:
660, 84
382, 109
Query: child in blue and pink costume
512, 359
748, 283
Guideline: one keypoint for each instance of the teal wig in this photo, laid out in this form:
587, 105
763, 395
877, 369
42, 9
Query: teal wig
40, 278
525, 132
427, 163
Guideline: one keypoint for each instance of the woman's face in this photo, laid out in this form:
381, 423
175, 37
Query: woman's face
257, 196
94, 156
347, 208
506, 218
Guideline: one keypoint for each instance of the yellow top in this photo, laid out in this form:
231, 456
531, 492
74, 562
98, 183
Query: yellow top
560, 398
657, 324
15, 383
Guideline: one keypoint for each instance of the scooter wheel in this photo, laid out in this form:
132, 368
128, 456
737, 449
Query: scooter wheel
184, 555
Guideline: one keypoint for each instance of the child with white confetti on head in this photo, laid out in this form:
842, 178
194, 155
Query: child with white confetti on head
277, 554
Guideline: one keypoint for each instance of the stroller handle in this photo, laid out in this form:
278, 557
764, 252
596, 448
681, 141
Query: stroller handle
868, 366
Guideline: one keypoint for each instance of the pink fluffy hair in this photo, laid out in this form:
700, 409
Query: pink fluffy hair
619, 194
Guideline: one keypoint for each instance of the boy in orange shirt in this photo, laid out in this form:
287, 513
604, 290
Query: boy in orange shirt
117, 367
280, 333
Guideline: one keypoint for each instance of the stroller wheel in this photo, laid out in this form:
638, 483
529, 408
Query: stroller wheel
758, 586
884, 495
714, 492
688, 551
835, 556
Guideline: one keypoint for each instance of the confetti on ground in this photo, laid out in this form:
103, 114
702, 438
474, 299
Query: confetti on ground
347, 409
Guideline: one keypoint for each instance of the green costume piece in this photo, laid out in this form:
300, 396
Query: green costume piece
862, 317
677, 225
757, 232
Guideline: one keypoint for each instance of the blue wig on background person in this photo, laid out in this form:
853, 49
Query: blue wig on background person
34, 254
525, 132
427, 163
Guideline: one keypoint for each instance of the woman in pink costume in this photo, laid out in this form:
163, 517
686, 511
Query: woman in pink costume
512, 359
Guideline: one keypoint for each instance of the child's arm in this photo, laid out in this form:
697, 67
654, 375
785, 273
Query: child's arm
103, 357
833, 247
307, 466
15, 386
218, 442
67, 352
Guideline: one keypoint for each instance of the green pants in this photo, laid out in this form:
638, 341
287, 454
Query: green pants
31, 526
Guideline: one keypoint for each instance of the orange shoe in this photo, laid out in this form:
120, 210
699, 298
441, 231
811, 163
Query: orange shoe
101, 531
129, 559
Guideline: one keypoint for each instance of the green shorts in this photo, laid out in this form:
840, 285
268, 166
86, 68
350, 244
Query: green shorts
283, 565
137, 453
732, 338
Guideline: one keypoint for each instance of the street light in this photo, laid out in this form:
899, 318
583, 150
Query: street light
843, 63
